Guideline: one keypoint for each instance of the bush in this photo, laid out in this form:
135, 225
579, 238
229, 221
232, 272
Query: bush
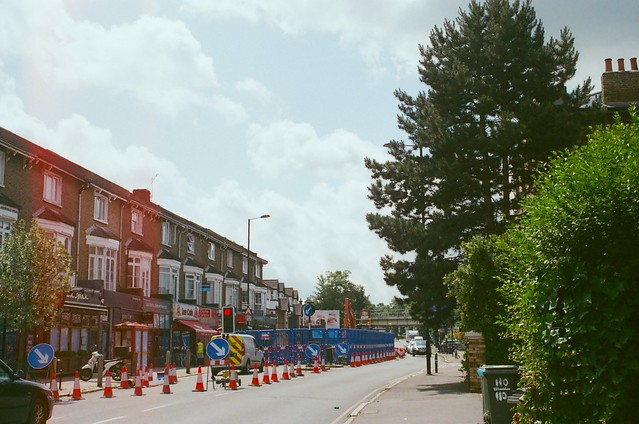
573, 283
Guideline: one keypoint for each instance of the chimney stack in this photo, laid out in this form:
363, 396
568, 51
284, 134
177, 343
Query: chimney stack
608, 62
142, 194
620, 64
633, 64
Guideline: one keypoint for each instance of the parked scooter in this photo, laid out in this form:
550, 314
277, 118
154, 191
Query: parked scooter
113, 365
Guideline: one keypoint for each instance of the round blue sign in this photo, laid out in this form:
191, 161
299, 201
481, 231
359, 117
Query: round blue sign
40, 356
309, 309
217, 349
312, 351
342, 349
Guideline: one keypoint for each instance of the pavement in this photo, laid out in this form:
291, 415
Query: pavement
440, 398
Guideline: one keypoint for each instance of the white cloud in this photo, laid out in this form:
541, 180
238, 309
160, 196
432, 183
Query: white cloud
286, 146
154, 59
231, 111
254, 88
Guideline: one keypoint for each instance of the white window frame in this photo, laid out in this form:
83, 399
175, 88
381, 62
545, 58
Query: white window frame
139, 271
2, 166
137, 221
168, 233
258, 295
5, 230
52, 191
258, 270
211, 250
229, 259
216, 286
59, 231
190, 243
103, 261
245, 266
101, 208
231, 292
170, 270
192, 282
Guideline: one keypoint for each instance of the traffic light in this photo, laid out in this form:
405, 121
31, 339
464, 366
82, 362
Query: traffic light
228, 319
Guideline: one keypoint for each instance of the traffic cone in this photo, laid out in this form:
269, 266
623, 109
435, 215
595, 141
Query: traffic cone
54, 388
108, 390
77, 394
124, 380
149, 377
291, 369
352, 361
175, 377
285, 375
166, 388
299, 372
265, 378
143, 375
316, 367
323, 364
172, 374
138, 384
199, 385
233, 378
256, 380
274, 378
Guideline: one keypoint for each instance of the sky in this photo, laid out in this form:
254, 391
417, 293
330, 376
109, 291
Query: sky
230, 109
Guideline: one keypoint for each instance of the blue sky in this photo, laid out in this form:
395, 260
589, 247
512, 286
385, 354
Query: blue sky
231, 109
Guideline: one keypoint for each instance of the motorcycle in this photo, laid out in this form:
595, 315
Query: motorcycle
114, 366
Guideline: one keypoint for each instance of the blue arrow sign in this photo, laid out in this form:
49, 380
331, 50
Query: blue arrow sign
312, 351
217, 349
342, 349
309, 309
40, 356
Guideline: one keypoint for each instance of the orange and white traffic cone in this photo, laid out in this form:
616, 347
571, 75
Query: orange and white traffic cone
149, 376
265, 377
124, 379
108, 390
54, 388
299, 372
352, 361
143, 375
138, 384
199, 384
175, 377
274, 378
316, 367
323, 364
233, 378
172, 374
256, 380
285, 375
77, 394
166, 388
291, 369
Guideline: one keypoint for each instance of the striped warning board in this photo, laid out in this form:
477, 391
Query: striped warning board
237, 350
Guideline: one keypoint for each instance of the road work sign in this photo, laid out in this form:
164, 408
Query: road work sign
40, 356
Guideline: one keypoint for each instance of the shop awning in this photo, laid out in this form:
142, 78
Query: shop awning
198, 326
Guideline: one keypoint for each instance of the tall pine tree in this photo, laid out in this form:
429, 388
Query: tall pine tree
495, 107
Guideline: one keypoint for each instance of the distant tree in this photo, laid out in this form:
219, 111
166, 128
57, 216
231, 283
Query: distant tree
480, 305
333, 287
34, 277
496, 107
573, 284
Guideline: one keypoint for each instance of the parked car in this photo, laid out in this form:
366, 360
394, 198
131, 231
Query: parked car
409, 347
419, 348
23, 401
253, 354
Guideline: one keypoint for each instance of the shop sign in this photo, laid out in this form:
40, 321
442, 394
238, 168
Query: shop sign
185, 310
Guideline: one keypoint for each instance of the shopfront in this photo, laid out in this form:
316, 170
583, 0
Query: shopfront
189, 327
157, 316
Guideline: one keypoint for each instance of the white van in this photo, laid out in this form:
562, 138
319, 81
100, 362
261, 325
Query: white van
245, 362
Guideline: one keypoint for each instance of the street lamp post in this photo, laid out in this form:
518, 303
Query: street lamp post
248, 254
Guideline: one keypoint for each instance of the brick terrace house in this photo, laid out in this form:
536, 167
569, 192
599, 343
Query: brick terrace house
132, 261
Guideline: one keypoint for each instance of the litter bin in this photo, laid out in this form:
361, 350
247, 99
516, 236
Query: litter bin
498, 382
